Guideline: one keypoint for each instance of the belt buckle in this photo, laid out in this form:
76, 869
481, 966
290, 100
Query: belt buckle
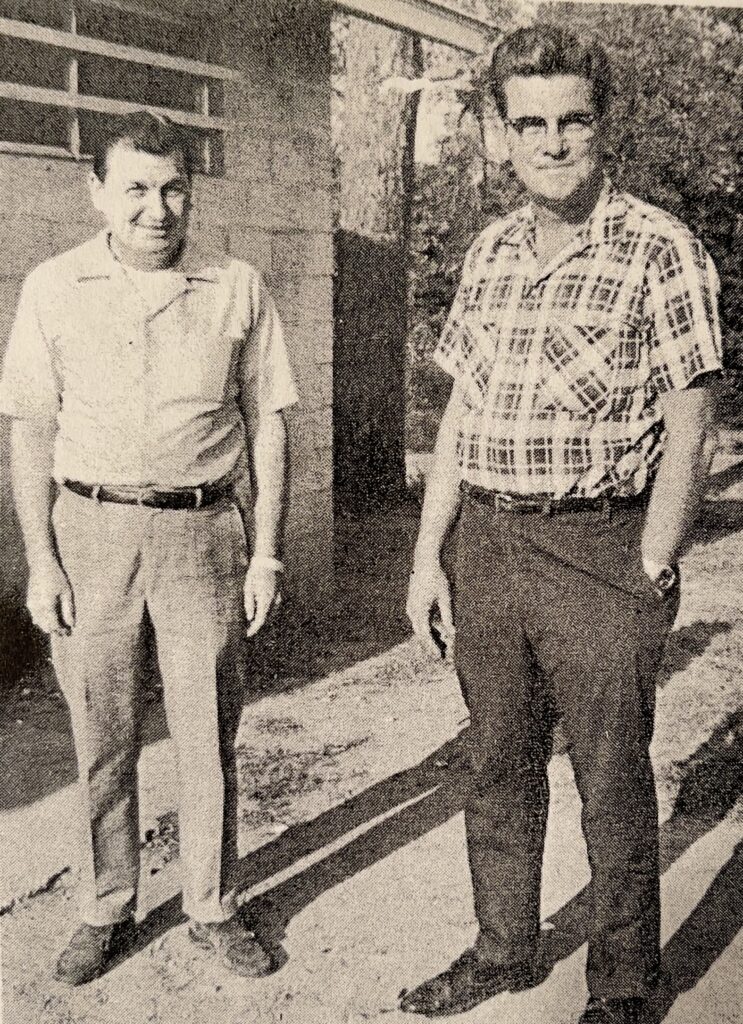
147, 498
503, 502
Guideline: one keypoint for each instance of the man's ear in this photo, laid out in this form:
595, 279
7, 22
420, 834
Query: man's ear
96, 191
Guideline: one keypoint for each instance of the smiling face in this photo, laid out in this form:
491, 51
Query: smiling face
145, 199
554, 135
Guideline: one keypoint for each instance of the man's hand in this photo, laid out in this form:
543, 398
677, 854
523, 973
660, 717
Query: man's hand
429, 588
49, 598
262, 593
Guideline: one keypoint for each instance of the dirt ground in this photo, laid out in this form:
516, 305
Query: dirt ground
352, 784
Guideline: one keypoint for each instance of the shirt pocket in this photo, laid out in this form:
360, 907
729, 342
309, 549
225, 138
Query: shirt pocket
591, 369
477, 349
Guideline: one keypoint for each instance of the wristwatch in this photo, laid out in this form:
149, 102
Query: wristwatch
664, 580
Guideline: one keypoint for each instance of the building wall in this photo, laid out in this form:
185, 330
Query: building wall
273, 207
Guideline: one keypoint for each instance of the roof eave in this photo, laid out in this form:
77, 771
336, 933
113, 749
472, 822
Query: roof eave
436, 21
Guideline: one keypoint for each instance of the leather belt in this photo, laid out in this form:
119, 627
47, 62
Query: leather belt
152, 497
524, 503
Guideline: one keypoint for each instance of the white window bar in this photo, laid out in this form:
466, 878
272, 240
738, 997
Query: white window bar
102, 48
71, 99
73, 82
101, 105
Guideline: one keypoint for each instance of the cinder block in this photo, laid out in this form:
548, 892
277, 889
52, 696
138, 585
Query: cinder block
311, 344
309, 556
276, 206
10, 289
302, 158
314, 208
312, 101
315, 383
312, 476
44, 189
309, 515
306, 254
246, 243
25, 244
208, 233
249, 150
304, 300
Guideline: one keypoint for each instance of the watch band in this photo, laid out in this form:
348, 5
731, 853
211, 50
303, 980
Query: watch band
666, 580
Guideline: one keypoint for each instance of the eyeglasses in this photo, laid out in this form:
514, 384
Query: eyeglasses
576, 127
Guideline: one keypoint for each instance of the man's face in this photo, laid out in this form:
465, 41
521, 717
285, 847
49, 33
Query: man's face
554, 134
145, 200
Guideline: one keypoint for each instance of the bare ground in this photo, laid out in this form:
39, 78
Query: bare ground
351, 833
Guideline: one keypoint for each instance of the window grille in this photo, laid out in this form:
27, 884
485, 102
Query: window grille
65, 64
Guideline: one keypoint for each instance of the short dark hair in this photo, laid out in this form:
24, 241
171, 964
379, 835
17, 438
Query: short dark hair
549, 50
150, 133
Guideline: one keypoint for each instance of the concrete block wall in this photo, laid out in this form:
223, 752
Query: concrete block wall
273, 207
278, 211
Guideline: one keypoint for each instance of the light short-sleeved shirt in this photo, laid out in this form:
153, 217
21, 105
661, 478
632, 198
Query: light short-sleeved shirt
561, 368
148, 376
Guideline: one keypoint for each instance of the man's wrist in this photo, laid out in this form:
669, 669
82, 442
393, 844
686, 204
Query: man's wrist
654, 566
425, 558
259, 561
662, 574
426, 553
41, 558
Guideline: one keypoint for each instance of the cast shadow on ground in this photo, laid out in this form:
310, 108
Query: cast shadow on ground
23, 782
711, 783
426, 795
686, 644
418, 800
720, 481
718, 518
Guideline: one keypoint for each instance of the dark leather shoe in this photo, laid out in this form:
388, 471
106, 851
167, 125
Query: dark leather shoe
467, 983
614, 1011
91, 950
237, 948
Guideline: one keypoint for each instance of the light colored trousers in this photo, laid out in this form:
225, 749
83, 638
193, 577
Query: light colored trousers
185, 570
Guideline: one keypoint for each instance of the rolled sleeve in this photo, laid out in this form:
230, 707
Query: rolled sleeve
683, 324
267, 377
28, 387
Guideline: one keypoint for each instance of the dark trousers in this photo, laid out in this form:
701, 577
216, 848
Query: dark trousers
556, 619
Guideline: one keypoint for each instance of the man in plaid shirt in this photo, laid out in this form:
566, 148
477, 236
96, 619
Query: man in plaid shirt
574, 451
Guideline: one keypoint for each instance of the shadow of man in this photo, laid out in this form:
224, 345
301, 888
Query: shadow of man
711, 785
411, 803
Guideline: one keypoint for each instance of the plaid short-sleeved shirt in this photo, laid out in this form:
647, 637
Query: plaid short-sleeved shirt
561, 368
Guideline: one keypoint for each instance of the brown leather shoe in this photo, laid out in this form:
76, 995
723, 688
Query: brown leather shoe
614, 1011
91, 950
467, 983
237, 948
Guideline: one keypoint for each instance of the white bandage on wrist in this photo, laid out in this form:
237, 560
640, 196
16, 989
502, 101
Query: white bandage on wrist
266, 562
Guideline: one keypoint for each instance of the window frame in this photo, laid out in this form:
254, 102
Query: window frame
207, 74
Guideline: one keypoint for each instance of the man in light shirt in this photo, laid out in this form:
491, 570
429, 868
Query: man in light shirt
143, 383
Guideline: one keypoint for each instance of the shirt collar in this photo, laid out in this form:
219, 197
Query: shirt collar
604, 225
96, 262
